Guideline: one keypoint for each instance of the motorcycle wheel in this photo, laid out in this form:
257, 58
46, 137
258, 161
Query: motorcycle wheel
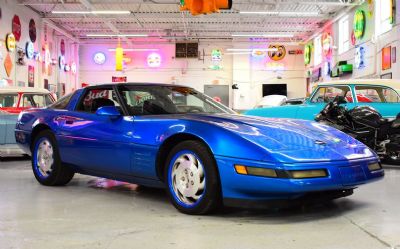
393, 157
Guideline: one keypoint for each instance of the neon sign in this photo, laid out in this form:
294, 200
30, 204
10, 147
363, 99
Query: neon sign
154, 60
359, 60
216, 58
307, 54
327, 44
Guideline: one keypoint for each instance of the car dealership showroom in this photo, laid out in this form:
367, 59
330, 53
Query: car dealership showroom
227, 124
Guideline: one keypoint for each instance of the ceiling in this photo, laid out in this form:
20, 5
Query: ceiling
161, 19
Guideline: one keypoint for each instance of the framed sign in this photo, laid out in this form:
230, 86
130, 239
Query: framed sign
116, 79
387, 58
31, 76
62, 47
46, 84
16, 27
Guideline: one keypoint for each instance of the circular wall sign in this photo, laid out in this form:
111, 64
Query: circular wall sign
359, 24
16, 27
62, 47
32, 30
153, 60
307, 54
29, 50
277, 55
10, 42
99, 58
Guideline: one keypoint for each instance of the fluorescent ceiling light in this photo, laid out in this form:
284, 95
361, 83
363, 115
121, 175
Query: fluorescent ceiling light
281, 13
135, 49
264, 35
251, 49
117, 35
94, 12
235, 53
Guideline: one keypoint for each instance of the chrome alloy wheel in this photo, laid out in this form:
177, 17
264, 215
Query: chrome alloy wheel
188, 179
44, 157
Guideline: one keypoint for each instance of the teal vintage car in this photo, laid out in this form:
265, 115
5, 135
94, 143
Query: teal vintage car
377, 93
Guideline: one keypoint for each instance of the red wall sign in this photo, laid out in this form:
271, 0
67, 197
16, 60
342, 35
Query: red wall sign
62, 47
386, 58
16, 27
119, 79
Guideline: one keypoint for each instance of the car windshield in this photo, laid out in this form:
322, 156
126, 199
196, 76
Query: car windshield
8, 100
155, 100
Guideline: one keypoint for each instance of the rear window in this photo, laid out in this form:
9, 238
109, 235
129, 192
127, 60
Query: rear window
8, 100
376, 94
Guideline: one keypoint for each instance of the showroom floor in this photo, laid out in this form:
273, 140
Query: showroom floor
90, 213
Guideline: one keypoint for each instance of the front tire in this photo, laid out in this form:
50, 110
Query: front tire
46, 163
192, 179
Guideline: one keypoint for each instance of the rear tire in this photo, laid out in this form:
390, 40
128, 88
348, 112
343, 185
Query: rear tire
46, 163
192, 179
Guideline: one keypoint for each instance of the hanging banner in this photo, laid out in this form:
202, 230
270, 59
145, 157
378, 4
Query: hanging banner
119, 57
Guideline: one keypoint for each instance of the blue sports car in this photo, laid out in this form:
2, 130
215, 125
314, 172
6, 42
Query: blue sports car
203, 153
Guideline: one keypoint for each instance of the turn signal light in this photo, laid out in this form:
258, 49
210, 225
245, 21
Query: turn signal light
243, 170
374, 166
197, 7
300, 174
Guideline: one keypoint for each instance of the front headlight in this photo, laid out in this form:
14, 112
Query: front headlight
275, 173
301, 174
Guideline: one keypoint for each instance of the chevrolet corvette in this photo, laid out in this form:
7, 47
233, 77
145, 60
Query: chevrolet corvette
200, 151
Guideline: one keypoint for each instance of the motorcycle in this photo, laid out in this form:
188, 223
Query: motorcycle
366, 125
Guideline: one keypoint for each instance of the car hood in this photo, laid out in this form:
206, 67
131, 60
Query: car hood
290, 140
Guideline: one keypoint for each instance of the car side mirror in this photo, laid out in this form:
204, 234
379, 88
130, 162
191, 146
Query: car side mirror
108, 111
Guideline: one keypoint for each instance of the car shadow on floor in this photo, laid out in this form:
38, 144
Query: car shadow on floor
303, 213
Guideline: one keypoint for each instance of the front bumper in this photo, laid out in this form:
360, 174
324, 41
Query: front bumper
342, 175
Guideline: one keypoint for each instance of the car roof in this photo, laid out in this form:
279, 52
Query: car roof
136, 84
384, 82
22, 89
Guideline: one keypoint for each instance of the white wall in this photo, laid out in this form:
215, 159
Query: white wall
237, 69
372, 44
20, 73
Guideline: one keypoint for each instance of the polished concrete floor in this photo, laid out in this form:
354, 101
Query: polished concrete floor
93, 213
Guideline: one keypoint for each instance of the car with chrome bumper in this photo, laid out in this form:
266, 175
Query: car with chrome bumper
12, 102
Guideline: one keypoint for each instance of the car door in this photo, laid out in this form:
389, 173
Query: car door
320, 97
93, 142
384, 99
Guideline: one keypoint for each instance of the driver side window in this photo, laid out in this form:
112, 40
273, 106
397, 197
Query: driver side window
96, 98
